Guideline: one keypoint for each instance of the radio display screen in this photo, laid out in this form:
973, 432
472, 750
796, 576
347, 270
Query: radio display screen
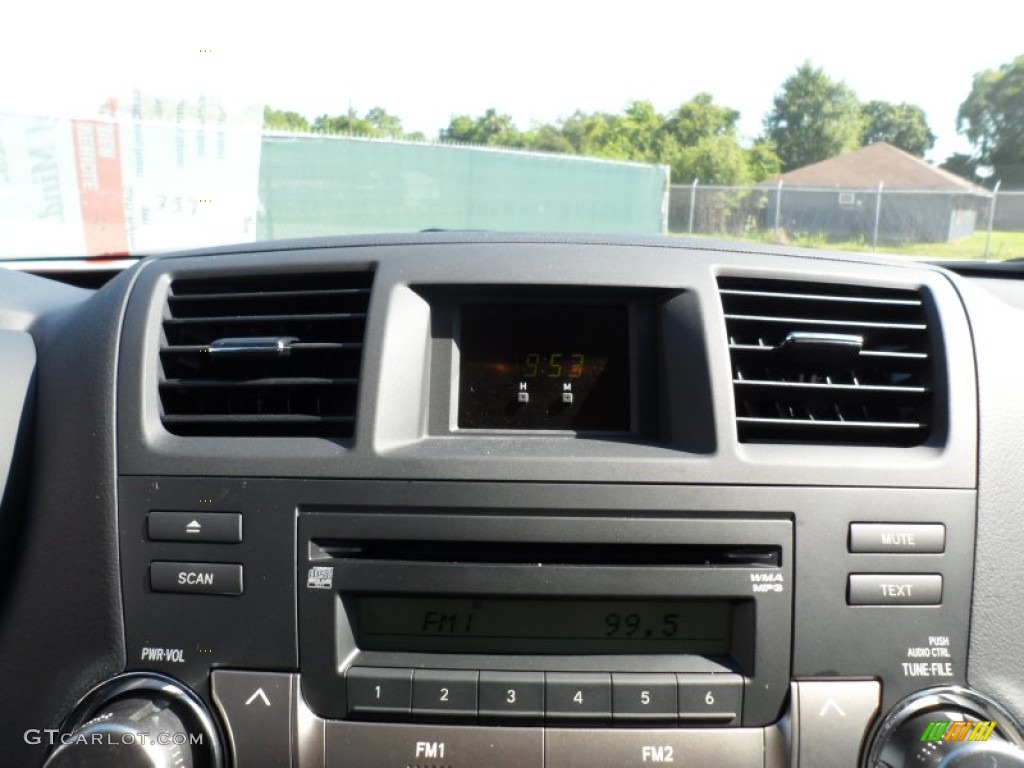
541, 626
552, 367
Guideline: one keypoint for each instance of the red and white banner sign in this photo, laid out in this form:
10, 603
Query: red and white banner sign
100, 187
147, 174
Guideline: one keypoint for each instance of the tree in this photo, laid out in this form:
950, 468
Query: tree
712, 160
902, 125
548, 138
383, 124
698, 140
279, 120
763, 161
637, 135
962, 165
587, 133
350, 123
376, 124
700, 118
707, 146
992, 117
813, 118
491, 128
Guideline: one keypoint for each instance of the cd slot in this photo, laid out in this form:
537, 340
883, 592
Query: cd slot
546, 553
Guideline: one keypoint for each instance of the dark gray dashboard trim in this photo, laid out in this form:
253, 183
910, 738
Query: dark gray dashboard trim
462, 237
17, 385
998, 609
392, 436
61, 628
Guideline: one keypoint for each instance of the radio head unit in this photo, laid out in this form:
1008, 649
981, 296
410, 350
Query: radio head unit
445, 603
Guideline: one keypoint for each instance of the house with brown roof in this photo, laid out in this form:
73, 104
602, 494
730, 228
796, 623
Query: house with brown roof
877, 188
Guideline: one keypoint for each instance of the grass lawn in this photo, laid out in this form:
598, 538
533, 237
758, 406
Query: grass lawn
1005, 245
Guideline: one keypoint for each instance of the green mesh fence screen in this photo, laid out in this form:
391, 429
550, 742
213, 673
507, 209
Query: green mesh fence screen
325, 185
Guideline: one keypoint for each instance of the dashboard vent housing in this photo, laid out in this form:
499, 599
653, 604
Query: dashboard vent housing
267, 355
829, 363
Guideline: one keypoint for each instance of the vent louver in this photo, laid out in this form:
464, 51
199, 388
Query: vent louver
272, 355
828, 363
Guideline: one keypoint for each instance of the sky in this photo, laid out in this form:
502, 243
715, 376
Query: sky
538, 61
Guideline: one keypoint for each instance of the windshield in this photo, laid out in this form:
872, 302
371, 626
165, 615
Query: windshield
128, 128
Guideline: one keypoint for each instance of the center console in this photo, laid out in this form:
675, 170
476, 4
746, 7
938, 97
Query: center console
545, 505
541, 621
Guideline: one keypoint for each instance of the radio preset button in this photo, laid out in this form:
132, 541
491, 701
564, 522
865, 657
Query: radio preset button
444, 693
644, 697
715, 699
378, 692
578, 695
512, 695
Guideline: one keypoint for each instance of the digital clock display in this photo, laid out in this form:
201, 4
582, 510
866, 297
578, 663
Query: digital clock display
542, 626
544, 367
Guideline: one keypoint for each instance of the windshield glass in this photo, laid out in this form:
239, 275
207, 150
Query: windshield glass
128, 128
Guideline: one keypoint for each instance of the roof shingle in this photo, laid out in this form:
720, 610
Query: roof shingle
868, 166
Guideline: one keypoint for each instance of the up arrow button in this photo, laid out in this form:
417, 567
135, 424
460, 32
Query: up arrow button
258, 695
832, 716
831, 706
257, 708
213, 527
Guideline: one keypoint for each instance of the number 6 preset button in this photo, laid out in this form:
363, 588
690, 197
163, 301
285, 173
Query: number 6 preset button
710, 699
444, 693
578, 695
378, 692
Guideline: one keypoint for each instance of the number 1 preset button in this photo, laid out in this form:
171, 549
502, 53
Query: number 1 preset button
512, 695
578, 695
375, 691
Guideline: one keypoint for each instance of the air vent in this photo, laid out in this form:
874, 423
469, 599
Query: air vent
828, 363
268, 355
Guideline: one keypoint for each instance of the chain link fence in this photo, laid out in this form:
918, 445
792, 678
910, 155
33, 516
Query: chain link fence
869, 218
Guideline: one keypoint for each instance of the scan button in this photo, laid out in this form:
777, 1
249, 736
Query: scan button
196, 578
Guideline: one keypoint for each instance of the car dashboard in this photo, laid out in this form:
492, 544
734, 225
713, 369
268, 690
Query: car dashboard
464, 499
